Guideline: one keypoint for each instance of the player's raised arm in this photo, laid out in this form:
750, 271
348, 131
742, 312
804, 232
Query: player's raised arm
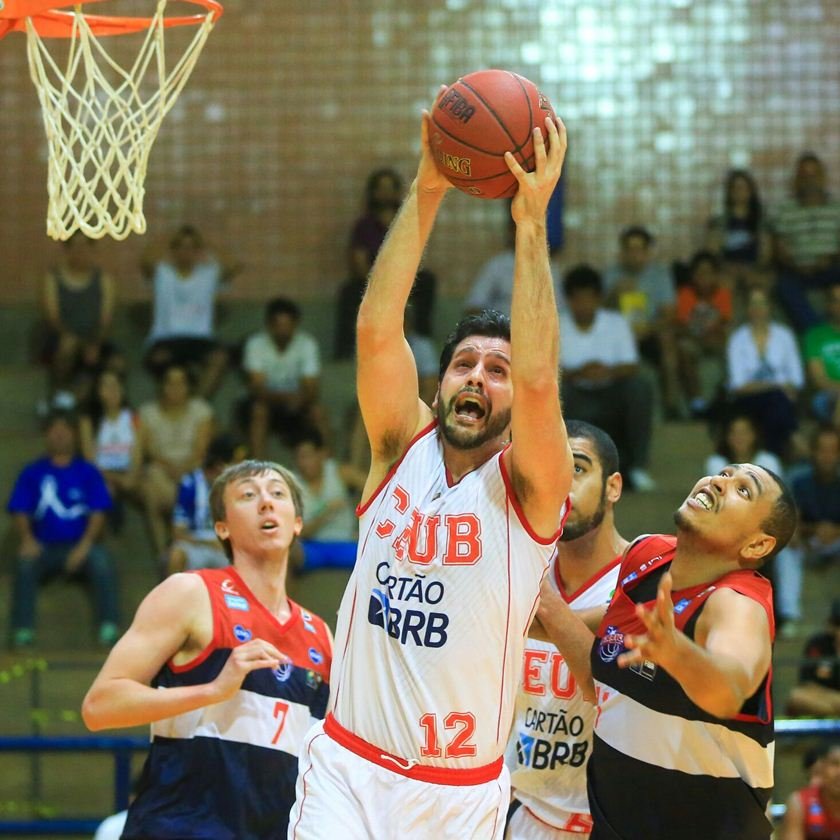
387, 377
540, 459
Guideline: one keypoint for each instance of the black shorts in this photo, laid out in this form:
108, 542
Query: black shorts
178, 351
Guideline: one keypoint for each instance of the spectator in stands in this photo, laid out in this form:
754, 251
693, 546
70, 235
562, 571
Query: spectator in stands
77, 303
822, 358
601, 381
329, 491
425, 357
740, 442
174, 432
383, 196
764, 372
817, 492
109, 438
195, 544
818, 691
283, 367
740, 236
642, 290
704, 310
813, 813
493, 287
186, 286
58, 505
806, 242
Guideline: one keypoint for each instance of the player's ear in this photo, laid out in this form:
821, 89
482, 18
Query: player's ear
221, 530
614, 486
298, 526
756, 548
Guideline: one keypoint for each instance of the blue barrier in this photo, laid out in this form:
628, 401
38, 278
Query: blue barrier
121, 748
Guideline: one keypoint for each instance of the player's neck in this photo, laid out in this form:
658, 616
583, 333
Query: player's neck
581, 559
695, 563
266, 578
460, 462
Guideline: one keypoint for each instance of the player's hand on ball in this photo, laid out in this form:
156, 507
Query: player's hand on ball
429, 177
243, 659
660, 643
536, 188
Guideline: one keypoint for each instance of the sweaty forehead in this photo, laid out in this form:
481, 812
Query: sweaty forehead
483, 344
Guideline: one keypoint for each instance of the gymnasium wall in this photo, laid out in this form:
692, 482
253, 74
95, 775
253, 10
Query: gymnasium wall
293, 103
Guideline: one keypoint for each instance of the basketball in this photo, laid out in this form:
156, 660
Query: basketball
479, 118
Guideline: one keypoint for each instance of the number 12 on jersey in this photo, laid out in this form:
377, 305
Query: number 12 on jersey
459, 745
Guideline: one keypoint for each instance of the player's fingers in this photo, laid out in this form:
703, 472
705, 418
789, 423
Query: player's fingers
648, 617
513, 165
539, 148
632, 657
664, 606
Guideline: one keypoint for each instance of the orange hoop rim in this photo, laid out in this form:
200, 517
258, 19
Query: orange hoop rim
51, 22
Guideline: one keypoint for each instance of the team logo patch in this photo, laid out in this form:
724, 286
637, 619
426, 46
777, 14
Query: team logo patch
237, 602
316, 656
243, 634
681, 605
229, 587
631, 576
283, 671
611, 644
308, 626
313, 680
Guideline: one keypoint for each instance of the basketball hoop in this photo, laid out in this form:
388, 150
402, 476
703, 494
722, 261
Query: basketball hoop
101, 118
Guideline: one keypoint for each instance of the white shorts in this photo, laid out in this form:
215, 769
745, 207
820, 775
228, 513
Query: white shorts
526, 825
341, 794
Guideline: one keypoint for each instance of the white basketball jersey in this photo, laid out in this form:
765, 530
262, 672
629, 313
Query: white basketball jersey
432, 625
552, 732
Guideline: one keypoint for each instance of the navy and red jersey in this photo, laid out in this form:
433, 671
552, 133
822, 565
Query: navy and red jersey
661, 766
227, 771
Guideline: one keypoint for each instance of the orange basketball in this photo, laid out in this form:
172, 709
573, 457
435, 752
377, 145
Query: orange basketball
479, 118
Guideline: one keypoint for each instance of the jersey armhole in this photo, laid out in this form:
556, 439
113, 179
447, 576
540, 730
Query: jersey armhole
362, 508
215, 637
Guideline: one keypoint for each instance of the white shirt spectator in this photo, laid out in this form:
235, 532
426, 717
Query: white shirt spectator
781, 363
112, 827
283, 369
184, 307
609, 340
493, 288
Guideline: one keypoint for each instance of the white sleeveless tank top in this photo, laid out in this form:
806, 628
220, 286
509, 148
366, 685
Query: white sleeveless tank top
432, 625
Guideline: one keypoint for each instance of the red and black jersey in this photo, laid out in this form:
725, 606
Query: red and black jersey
661, 766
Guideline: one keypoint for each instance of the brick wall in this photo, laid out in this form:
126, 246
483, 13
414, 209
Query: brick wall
292, 104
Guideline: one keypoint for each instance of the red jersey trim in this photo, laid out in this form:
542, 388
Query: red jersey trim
587, 584
213, 644
520, 514
403, 767
361, 508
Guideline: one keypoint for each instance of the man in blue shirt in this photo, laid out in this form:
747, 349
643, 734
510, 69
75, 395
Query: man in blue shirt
58, 507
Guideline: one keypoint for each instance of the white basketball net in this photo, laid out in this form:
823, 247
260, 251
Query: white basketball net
101, 121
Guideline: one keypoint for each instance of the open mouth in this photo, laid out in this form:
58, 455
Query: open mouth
704, 499
269, 526
469, 406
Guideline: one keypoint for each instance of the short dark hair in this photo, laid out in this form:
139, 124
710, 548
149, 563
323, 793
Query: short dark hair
637, 231
186, 232
488, 322
373, 181
309, 434
249, 469
61, 415
220, 451
282, 306
782, 519
582, 277
604, 446
703, 256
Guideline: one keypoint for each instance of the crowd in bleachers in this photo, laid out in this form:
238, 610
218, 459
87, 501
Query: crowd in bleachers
744, 333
